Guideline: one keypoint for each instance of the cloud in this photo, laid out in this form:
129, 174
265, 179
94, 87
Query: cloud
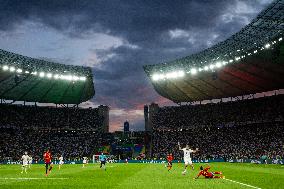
134, 117
88, 104
178, 33
116, 38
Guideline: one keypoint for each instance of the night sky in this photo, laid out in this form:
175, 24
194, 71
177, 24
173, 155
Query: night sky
116, 38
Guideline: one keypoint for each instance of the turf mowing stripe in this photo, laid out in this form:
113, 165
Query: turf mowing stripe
33, 178
243, 184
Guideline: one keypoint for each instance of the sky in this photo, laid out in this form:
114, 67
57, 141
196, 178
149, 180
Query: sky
117, 37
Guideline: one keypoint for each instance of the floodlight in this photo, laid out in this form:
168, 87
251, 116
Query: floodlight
19, 70
193, 71
75, 78
12, 69
218, 64
280, 39
162, 76
82, 78
206, 68
41, 74
56, 76
5, 68
180, 73
155, 77
211, 66
49, 75
224, 63
34, 73
68, 77
174, 75
168, 75
267, 46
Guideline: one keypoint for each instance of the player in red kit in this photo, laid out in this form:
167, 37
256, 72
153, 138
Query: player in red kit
48, 164
205, 172
170, 158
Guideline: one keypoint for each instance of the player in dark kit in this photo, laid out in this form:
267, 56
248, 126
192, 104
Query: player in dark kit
102, 158
205, 172
48, 164
170, 158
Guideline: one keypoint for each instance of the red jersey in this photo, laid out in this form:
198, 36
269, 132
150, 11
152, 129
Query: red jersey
47, 157
170, 158
205, 173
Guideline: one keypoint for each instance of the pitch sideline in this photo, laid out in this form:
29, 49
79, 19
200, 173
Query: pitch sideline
32, 178
242, 184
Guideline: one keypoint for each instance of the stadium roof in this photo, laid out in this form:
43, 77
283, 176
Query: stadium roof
28, 79
248, 62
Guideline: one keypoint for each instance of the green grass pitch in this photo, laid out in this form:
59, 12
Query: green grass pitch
141, 176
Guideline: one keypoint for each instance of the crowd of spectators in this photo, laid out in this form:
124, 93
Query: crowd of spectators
71, 144
72, 132
37, 117
232, 130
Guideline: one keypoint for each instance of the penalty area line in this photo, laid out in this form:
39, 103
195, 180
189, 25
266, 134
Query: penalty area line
7, 178
242, 183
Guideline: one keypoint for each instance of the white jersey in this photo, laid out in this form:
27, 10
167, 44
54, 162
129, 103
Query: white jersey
186, 153
25, 159
85, 160
60, 160
30, 159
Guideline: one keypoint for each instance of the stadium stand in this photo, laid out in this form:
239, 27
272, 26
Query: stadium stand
232, 130
73, 132
36, 117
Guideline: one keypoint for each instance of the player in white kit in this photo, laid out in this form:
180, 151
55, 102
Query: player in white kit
61, 162
25, 161
186, 156
85, 161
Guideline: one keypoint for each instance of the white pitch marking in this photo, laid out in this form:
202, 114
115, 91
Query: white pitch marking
242, 183
33, 178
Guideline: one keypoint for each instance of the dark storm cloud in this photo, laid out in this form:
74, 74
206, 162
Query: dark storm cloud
156, 31
136, 20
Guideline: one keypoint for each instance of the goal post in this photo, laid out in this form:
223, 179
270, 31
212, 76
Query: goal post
96, 158
110, 159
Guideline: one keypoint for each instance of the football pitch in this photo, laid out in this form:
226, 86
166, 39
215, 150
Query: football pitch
146, 176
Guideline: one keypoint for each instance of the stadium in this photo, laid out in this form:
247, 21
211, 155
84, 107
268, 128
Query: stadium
226, 129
